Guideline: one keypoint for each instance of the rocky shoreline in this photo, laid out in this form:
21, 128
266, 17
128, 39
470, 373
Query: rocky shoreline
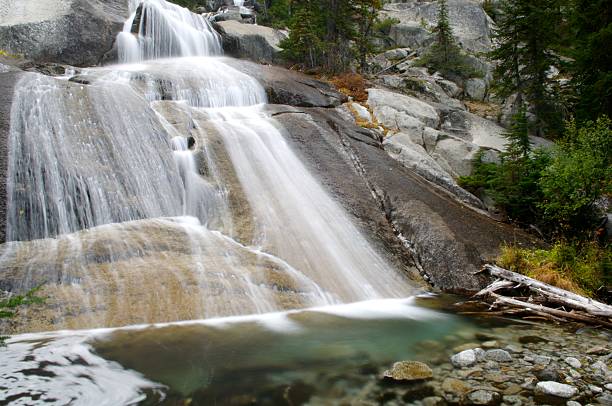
516, 365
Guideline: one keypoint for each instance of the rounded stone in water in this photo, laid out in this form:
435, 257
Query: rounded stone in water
408, 371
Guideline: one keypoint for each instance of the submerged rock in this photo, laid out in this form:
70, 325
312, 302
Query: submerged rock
548, 390
483, 397
408, 371
498, 356
464, 359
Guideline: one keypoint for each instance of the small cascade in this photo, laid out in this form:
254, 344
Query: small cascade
163, 191
159, 29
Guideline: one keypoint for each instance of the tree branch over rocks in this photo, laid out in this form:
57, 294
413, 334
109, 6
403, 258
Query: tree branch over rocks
515, 293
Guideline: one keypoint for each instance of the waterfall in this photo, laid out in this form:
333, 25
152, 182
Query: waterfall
162, 190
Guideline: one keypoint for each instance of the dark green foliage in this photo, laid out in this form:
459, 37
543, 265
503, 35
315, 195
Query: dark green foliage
527, 36
445, 56
275, 13
556, 190
579, 174
592, 69
332, 35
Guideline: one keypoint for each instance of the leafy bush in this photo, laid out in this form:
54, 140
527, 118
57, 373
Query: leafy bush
556, 191
582, 268
9, 306
579, 174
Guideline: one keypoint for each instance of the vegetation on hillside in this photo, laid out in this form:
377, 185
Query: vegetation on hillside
10, 306
445, 55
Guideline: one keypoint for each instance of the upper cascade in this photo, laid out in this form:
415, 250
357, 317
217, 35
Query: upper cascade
159, 29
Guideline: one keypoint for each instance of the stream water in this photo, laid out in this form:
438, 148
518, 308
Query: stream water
159, 191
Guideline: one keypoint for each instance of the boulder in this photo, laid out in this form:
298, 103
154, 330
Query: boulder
289, 87
406, 371
475, 89
249, 41
74, 32
392, 109
471, 25
410, 34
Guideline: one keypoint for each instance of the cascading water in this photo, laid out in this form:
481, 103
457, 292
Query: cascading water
161, 190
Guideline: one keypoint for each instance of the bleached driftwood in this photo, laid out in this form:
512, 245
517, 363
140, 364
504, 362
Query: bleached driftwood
552, 303
554, 294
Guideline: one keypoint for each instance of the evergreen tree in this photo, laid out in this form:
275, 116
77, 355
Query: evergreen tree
332, 34
527, 36
592, 69
444, 55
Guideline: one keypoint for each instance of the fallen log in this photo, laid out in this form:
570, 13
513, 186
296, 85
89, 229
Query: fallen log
543, 300
547, 310
552, 293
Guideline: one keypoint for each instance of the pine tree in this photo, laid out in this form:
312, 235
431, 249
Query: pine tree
445, 42
527, 37
444, 55
592, 69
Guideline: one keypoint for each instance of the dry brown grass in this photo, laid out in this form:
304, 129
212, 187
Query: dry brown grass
483, 109
352, 85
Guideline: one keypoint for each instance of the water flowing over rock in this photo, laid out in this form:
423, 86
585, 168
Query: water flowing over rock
110, 155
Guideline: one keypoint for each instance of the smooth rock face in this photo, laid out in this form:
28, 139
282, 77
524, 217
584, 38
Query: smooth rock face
75, 32
555, 389
7, 84
289, 87
250, 41
408, 371
471, 25
449, 240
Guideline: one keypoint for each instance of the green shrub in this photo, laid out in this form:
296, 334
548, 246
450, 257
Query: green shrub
579, 267
9, 306
580, 173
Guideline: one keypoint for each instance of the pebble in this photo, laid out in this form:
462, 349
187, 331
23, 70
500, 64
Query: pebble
597, 389
464, 359
555, 389
498, 355
491, 365
480, 354
600, 367
483, 397
599, 350
464, 347
490, 344
531, 339
541, 360
513, 400
456, 386
433, 401
547, 374
608, 387
573, 403
573, 362
575, 374
514, 349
